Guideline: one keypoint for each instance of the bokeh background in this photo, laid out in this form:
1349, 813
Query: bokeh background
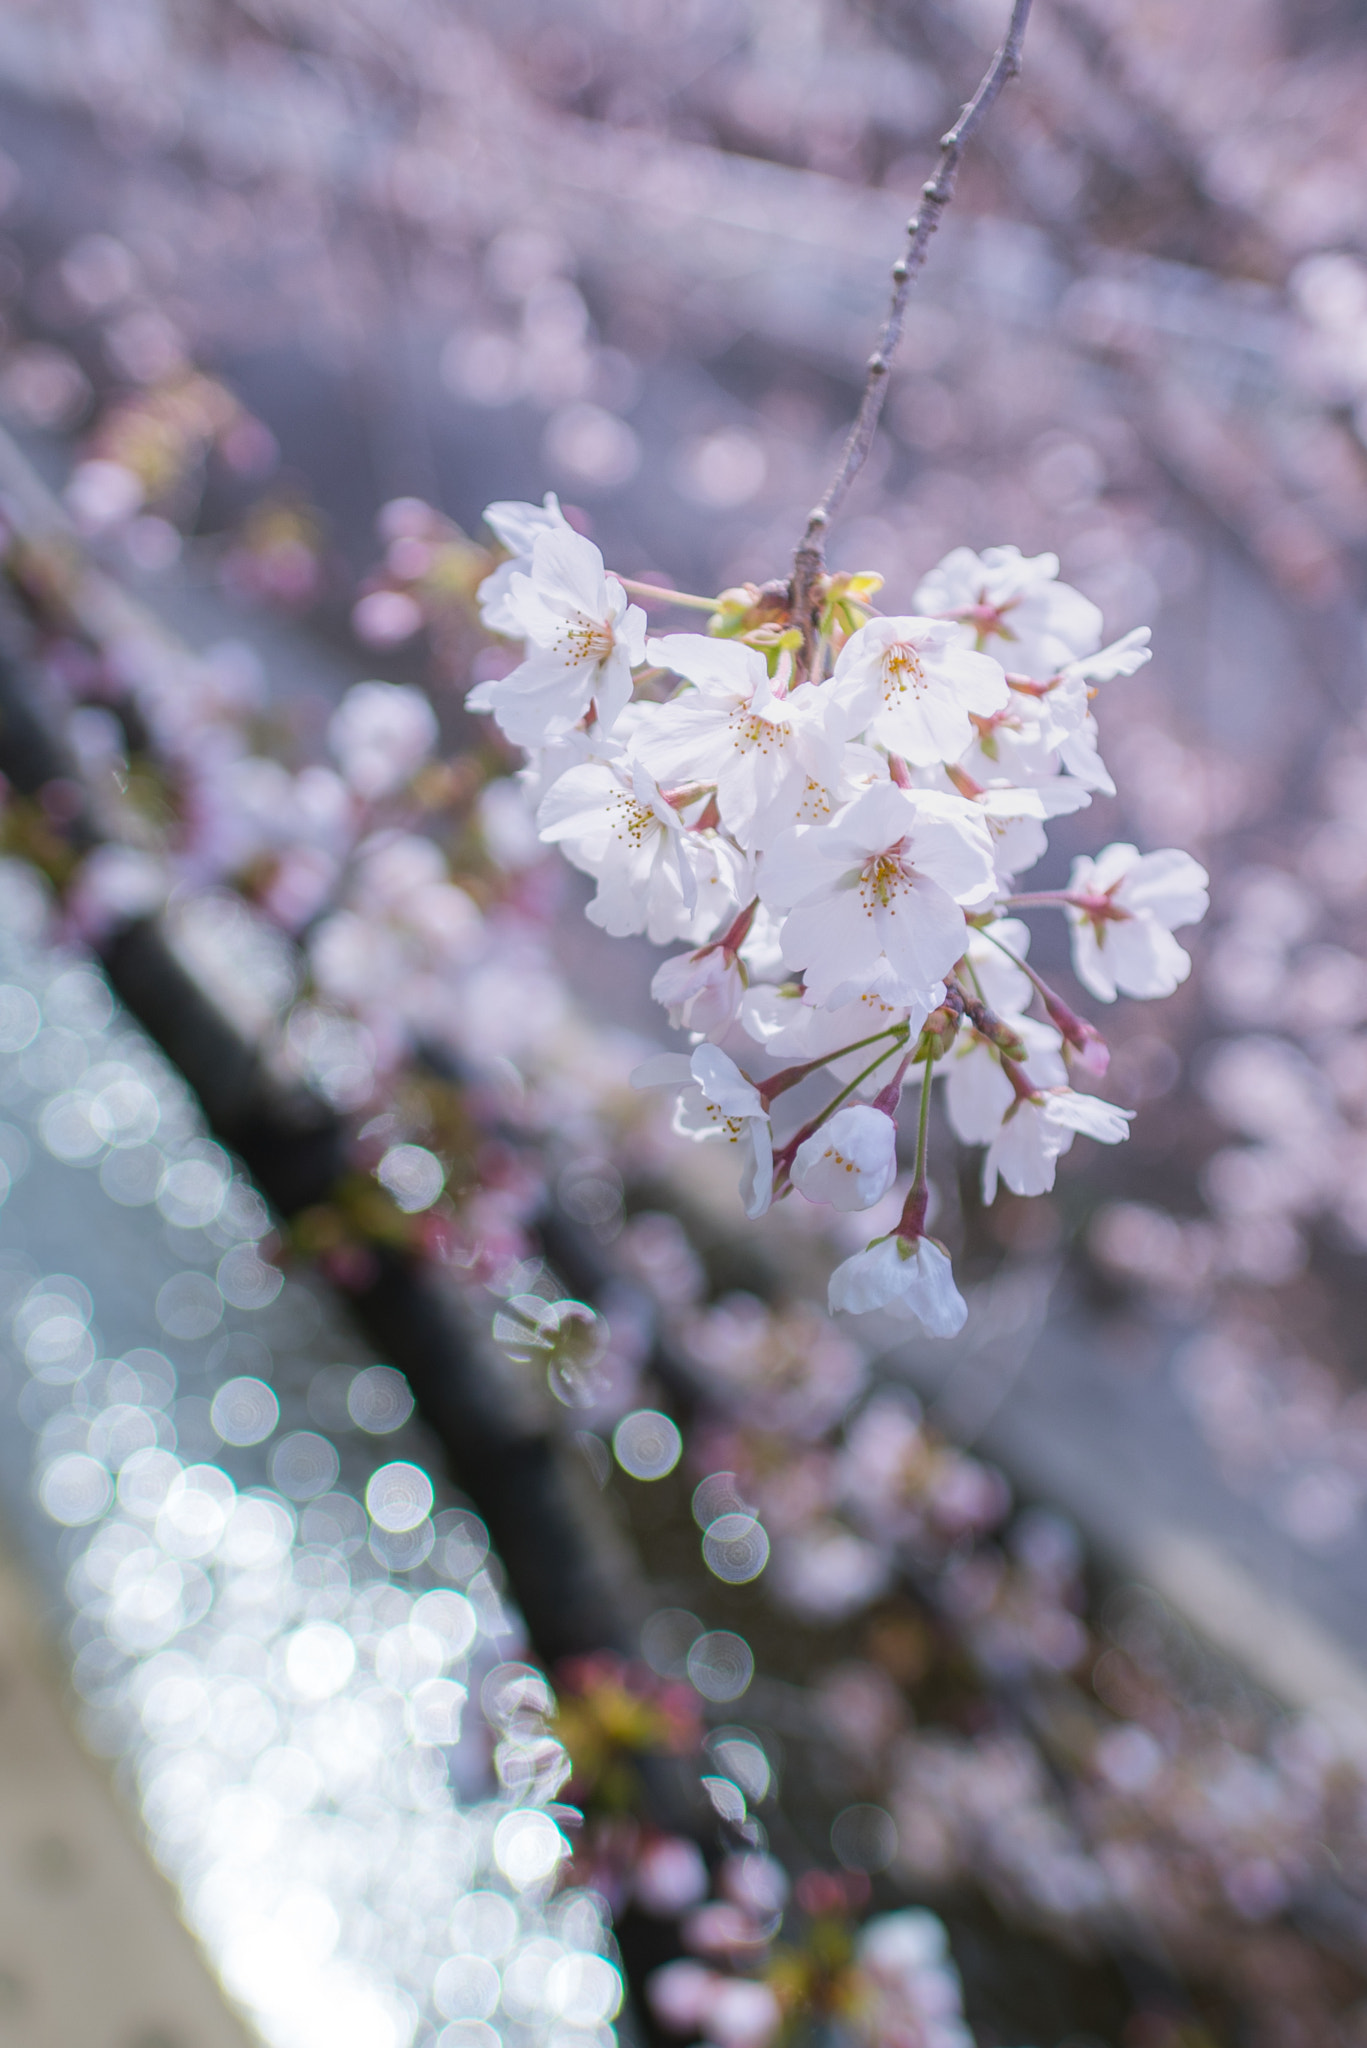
265, 270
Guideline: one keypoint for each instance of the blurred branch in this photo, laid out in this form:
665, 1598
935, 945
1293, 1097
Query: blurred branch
936, 194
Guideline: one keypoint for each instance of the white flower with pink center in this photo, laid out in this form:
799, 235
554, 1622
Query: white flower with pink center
1014, 606
774, 757
702, 991
584, 639
654, 873
1125, 908
910, 685
874, 902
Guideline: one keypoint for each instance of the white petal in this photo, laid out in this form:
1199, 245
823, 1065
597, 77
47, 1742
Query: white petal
851, 1162
723, 1083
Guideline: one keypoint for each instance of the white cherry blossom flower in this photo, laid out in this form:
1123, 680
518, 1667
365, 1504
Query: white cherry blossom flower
979, 1092
654, 873
517, 526
910, 1278
717, 1101
773, 758
910, 685
875, 900
851, 1162
380, 734
1042, 729
1122, 936
702, 991
584, 640
1039, 1130
1013, 606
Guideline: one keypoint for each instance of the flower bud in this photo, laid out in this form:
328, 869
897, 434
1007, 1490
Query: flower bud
701, 991
1084, 1046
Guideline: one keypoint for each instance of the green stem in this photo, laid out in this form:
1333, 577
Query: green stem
654, 592
923, 1126
1026, 969
790, 1076
810, 1130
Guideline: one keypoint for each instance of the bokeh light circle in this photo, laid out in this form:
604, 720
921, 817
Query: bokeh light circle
721, 1665
244, 1411
379, 1400
75, 1489
399, 1497
647, 1444
736, 1549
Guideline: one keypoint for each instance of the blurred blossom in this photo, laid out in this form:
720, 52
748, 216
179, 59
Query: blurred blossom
592, 447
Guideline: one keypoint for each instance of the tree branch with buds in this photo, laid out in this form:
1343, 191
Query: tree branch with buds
810, 559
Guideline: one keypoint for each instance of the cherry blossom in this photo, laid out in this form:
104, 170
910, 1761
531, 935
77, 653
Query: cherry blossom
1123, 908
907, 1277
904, 1958
875, 900
585, 639
1013, 605
380, 734
910, 685
405, 925
851, 1162
653, 873
702, 991
717, 1101
978, 1089
774, 758
1039, 1129
517, 526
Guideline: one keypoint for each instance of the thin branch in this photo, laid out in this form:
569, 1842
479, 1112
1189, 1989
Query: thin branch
656, 593
936, 194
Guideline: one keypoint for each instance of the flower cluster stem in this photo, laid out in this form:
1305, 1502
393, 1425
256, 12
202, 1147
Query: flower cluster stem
936, 193
654, 593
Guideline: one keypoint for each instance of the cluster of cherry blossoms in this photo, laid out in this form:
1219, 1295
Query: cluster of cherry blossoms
831, 815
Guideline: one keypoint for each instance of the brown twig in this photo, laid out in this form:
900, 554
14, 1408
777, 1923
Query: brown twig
810, 558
